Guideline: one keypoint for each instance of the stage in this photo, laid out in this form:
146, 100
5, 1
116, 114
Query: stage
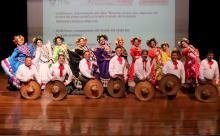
77, 115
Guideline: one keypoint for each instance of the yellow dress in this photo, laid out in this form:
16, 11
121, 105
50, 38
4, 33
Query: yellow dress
165, 57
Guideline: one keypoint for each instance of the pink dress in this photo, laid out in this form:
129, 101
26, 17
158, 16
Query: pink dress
191, 65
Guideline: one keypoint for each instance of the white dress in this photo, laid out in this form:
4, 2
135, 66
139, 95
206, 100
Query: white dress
41, 61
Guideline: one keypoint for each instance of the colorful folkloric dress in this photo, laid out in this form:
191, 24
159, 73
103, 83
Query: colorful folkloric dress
156, 63
135, 53
43, 57
60, 48
165, 57
103, 55
75, 55
10, 65
191, 65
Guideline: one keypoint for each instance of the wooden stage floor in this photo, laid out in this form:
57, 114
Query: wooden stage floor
77, 115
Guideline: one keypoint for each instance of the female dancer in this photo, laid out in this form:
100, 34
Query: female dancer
156, 61
192, 61
42, 60
10, 65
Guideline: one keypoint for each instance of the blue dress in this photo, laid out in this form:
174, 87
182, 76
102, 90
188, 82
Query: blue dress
10, 65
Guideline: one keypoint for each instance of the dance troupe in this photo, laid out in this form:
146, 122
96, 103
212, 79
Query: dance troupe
74, 67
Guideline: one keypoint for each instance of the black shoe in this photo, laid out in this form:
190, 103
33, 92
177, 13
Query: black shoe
171, 97
12, 88
131, 90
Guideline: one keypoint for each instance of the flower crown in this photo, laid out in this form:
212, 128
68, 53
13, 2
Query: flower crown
58, 37
119, 38
148, 42
183, 40
135, 38
35, 39
164, 44
18, 38
102, 35
79, 38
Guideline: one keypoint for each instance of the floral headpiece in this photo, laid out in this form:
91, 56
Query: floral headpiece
102, 35
58, 37
148, 42
164, 44
37, 38
119, 38
18, 38
135, 38
183, 40
79, 38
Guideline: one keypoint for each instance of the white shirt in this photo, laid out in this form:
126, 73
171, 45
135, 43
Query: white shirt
139, 69
115, 68
55, 72
86, 70
210, 73
25, 73
169, 67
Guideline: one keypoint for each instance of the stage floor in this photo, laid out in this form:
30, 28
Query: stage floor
77, 115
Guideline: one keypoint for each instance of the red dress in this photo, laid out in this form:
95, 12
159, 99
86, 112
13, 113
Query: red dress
191, 65
135, 53
156, 64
